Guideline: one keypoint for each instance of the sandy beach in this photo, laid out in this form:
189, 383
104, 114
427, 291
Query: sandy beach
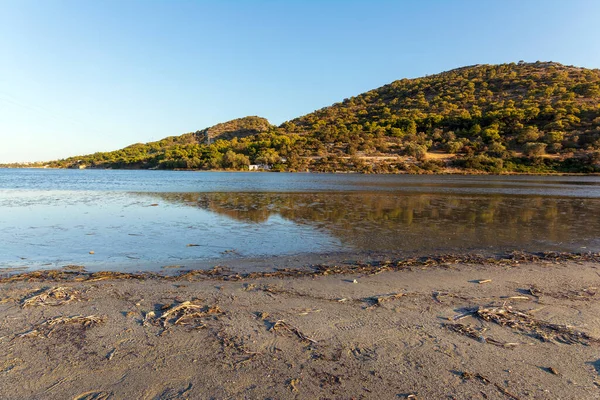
437, 329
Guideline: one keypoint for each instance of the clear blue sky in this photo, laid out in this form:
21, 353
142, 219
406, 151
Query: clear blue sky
83, 76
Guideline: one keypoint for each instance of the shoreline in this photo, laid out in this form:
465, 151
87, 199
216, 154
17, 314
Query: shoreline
429, 327
442, 173
370, 263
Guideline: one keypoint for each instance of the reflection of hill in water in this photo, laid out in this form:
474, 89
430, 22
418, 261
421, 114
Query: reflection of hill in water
408, 221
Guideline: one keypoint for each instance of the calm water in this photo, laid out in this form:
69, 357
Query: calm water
147, 219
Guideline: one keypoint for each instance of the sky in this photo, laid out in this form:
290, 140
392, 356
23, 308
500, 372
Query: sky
78, 77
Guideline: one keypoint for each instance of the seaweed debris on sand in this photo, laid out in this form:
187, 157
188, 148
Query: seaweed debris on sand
413, 328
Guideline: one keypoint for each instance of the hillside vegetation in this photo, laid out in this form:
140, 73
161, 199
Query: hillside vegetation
525, 117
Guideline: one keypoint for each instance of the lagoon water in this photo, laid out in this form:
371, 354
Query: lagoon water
145, 220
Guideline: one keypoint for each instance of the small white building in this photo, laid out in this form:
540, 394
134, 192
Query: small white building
259, 167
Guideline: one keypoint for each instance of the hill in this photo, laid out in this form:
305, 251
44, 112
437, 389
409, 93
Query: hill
525, 117
184, 151
237, 128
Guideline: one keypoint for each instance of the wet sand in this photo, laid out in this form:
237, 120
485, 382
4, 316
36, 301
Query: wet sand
372, 332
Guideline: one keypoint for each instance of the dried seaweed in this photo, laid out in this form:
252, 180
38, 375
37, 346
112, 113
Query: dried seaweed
78, 274
71, 274
538, 329
111, 275
47, 327
217, 271
52, 297
477, 334
187, 314
522, 322
84, 321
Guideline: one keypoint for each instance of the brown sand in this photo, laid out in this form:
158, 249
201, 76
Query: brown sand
391, 335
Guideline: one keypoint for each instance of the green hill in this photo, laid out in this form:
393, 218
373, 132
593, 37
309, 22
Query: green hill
525, 117
191, 150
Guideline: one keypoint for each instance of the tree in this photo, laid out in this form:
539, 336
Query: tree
234, 160
529, 134
534, 149
267, 156
453, 146
554, 137
419, 152
491, 133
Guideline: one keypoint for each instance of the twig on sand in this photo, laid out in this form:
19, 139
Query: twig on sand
284, 326
524, 298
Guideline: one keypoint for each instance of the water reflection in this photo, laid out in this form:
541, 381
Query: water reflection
419, 222
52, 218
131, 231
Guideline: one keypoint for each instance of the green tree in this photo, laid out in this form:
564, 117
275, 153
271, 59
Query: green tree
267, 156
419, 152
234, 160
534, 149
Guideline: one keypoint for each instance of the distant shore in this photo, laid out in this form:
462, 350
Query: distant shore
524, 326
446, 172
